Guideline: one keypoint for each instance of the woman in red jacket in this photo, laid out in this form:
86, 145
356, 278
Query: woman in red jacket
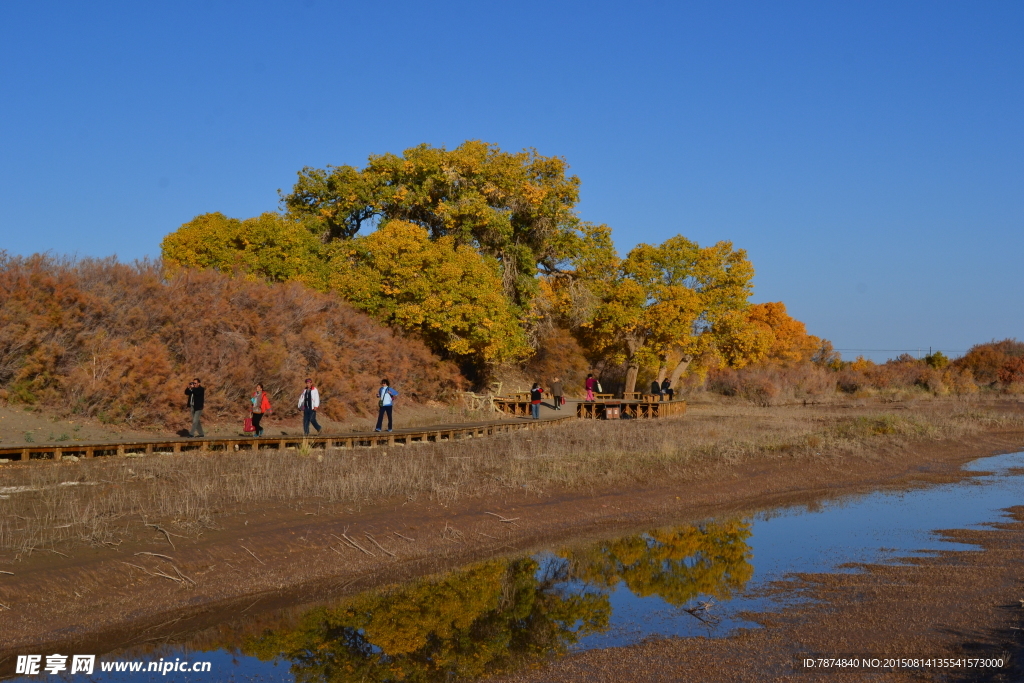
260, 406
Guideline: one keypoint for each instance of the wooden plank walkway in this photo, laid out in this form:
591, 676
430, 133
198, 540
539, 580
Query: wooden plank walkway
50, 452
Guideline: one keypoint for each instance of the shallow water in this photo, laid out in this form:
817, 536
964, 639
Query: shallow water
683, 580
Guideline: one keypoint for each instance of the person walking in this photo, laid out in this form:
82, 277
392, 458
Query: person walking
590, 384
260, 407
385, 403
196, 393
556, 392
309, 401
536, 396
666, 388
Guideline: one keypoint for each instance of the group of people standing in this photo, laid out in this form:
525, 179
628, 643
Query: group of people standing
309, 404
592, 386
537, 397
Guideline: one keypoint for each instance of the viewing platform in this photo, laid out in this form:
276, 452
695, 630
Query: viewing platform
604, 407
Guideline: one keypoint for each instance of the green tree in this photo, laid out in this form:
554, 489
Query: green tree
517, 208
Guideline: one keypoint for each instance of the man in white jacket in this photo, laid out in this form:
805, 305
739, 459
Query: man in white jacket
309, 401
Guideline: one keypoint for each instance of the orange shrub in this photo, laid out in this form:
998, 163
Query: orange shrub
791, 343
985, 360
120, 342
1012, 371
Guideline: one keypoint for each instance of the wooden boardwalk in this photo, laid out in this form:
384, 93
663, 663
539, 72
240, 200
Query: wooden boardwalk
50, 452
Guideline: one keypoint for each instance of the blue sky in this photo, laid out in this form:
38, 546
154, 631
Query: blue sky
869, 156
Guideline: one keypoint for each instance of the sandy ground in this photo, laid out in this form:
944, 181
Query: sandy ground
99, 598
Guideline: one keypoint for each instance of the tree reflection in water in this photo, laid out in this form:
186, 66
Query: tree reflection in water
497, 615
676, 564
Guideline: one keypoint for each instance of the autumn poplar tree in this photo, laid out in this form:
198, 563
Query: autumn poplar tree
663, 298
516, 208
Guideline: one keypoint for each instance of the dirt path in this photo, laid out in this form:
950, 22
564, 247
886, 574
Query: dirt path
102, 597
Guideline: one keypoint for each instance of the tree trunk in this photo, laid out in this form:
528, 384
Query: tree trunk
633, 369
679, 370
662, 372
631, 372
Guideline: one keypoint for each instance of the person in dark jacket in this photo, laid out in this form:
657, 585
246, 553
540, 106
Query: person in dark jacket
655, 388
536, 396
666, 388
196, 393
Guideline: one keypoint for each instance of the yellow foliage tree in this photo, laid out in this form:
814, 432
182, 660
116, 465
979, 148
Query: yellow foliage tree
791, 343
739, 341
270, 246
448, 293
517, 208
660, 299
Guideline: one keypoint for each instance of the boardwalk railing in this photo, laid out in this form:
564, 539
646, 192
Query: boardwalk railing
629, 410
404, 437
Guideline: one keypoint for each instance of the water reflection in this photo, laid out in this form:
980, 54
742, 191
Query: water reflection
497, 615
676, 564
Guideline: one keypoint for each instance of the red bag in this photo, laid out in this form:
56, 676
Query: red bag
247, 425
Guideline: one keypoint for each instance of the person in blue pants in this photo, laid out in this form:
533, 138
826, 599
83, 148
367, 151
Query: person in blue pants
385, 402
309, 401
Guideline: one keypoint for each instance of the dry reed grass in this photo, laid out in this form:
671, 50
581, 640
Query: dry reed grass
101, 501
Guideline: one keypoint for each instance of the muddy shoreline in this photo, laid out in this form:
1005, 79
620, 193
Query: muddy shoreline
103, 598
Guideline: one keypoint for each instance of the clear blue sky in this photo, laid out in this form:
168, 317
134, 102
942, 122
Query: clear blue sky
867, 155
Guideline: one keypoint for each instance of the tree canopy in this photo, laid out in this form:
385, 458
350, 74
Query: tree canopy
517, 208
658, 299
447, 292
